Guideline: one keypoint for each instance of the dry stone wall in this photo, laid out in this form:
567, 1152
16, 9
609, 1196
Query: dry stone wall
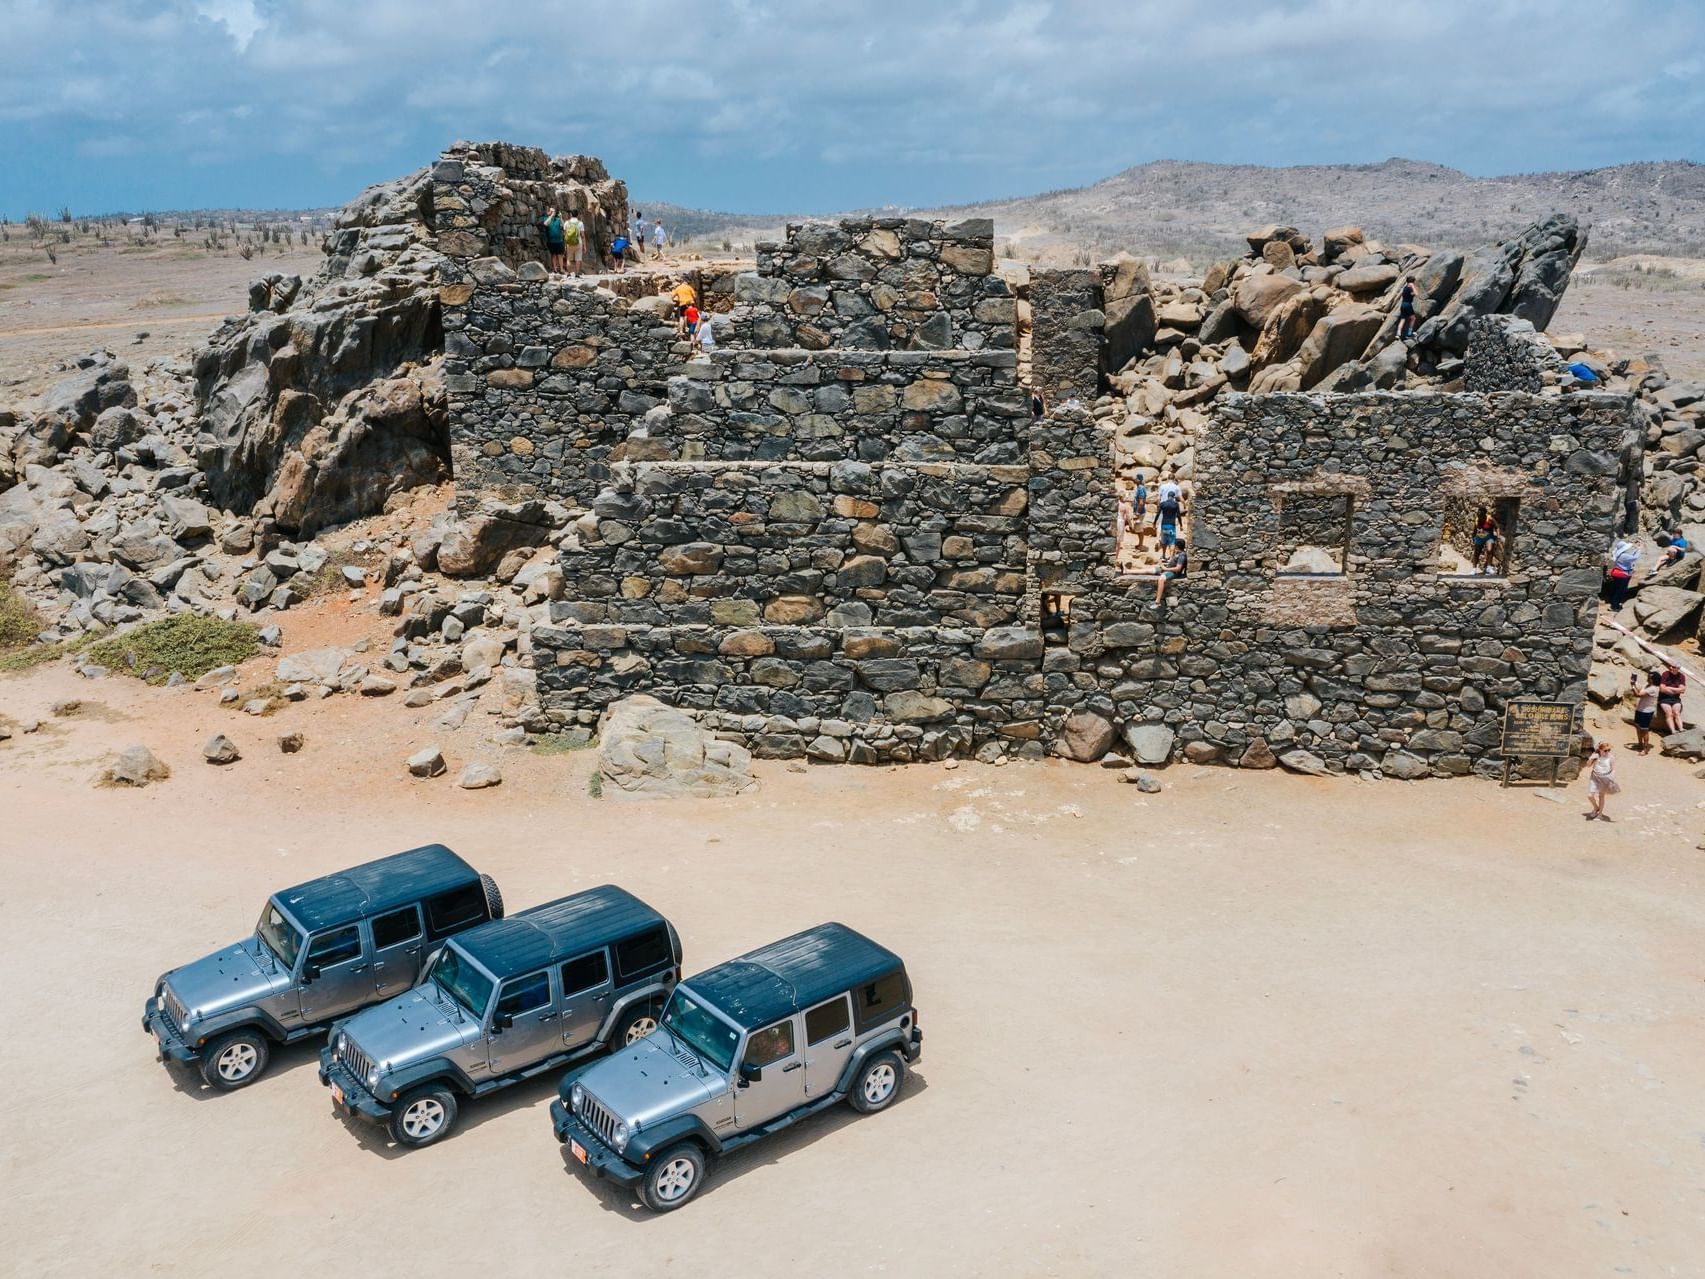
489, 198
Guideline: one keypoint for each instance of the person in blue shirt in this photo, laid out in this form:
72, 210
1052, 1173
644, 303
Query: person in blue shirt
1674, 551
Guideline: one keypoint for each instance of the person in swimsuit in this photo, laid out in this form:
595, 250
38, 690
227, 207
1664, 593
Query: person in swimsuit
1672, 687
1406, 311
1484, 526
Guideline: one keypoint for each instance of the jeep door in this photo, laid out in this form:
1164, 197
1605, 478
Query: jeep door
335, 976
774, 1052
586, 996
828, 1045
524, 1026
398, 941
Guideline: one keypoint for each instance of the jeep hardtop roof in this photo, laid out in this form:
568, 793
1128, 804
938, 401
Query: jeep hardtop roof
373, 887
557, 930
793, 973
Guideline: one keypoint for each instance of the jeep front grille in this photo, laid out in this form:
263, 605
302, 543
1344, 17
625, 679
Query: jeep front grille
357, 1062
174, 1009
599, 1120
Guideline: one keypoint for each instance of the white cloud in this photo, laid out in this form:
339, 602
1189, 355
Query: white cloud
239, 17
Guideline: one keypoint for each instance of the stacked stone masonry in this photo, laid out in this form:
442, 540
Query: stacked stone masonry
838, 535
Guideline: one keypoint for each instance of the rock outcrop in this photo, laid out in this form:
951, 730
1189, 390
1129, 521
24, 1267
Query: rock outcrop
649, 749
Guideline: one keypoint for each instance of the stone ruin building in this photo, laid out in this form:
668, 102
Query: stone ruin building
841, 535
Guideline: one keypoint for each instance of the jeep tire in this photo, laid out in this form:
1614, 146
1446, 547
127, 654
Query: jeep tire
877, 1083
674, 1177
423, 1115
636, 1023
235, 1060
493, 898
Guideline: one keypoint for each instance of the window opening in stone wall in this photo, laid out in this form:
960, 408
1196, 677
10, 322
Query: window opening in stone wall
1314, 534
1153, 518
1056, 617
1478, 536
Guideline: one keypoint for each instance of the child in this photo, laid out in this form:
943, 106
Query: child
690, 323
1601, 783
706, 339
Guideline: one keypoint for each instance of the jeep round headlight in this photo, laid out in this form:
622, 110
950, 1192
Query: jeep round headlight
342, 1044
373, 1080
576, 1098
620, 1136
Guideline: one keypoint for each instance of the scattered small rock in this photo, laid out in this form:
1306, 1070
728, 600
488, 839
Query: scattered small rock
377, 686
477, 776
257, 706
290, 743
1147, 783
134, 766
70, 706
220, 749
428, 762
229, 697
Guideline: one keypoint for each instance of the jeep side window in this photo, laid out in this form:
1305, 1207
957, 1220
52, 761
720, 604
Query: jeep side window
881, 999
585, 973
335, 947
643, 955
524, 994
826, 1020
456, 909
770, 1044
396, 928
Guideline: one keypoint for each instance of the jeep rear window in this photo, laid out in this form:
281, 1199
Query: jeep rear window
456, 909
584, 973
396, 928
881, 999
701, 1030
643, 955
279, 935
826, 1020
460, 980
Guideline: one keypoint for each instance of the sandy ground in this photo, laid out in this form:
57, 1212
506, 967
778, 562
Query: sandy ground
174, 291
1255, 1025
1665, 313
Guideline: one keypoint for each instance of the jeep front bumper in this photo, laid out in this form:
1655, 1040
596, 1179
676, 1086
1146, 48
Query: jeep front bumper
349, 1094
599, 1159
168, 1040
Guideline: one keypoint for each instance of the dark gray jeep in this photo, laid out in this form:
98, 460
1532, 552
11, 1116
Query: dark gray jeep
503, 1003
320, 951
742, 1051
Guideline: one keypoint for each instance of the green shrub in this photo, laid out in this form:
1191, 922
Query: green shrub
185, 642
19, 624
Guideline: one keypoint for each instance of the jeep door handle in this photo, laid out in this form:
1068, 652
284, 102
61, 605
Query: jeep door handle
843, 1043
795, 1066
359, 968
547, 1017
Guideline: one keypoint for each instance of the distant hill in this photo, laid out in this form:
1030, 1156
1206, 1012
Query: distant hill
1176, 208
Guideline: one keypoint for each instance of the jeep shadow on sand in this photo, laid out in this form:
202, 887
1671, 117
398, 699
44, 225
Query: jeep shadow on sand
502, 1003
320, 951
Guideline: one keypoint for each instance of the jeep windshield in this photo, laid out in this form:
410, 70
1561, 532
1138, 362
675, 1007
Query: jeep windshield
703, 1031
279, 935
457, 977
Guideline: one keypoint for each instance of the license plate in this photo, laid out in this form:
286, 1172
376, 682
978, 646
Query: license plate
337, 1094
577, 1150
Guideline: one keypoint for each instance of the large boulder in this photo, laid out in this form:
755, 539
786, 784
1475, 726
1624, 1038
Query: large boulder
1286, 328
1341, 335
1662, 609
1257, 295
474, 546
649, 749
1524, 277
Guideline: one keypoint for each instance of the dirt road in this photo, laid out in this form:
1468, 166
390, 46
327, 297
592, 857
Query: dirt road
1256, 1025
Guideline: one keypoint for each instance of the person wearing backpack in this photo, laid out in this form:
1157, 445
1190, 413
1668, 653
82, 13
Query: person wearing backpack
574, 236
553, 232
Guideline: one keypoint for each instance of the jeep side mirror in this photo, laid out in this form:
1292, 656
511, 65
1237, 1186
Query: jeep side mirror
750, 1074
501, 1022
310, 972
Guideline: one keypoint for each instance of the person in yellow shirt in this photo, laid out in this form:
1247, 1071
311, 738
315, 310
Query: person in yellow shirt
684, 296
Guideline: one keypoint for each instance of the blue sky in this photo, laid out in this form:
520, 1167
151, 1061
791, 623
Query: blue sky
760, 106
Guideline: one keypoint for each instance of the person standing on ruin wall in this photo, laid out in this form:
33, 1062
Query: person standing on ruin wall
552, 225
659, 238
638, 236
574, 236
1406, 310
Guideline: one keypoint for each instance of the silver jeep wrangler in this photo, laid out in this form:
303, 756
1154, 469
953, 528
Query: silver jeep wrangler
320, 951
503, 1003
742, 1051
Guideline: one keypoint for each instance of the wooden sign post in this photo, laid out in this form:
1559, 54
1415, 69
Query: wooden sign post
1542, 730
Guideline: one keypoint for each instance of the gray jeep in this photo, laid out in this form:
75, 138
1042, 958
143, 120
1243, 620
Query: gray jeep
742, 1051
503, 1003
320, 951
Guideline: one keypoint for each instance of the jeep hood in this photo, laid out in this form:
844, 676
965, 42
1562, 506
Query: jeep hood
647, 1082
235, 977
417, 1024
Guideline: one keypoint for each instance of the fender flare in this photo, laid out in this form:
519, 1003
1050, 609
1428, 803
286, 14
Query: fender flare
888, 1040
655, 992
240, 1019
433, 1070
667, 1133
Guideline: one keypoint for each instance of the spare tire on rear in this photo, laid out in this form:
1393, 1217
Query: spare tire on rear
493, 898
